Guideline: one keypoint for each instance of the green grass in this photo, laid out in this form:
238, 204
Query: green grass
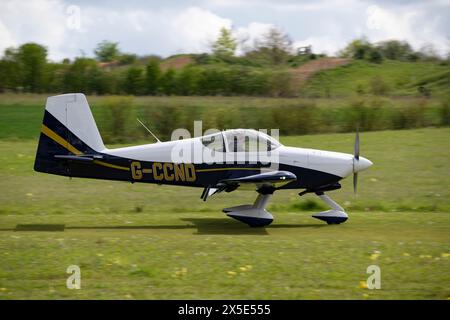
143, 256
402, 78
146, 241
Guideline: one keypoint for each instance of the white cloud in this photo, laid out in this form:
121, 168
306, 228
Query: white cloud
32, 21
247, 36
6, 38
323, 44
143, 31
411, 25
173, 27
287, 5
195, 29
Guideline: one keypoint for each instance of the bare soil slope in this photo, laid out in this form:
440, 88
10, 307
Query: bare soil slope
304, 72
176, 62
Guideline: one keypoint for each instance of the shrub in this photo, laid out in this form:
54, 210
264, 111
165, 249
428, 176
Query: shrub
308, 205
119, 113
296, 119
411, 116
280, 84
163, 120
127, 58
360, 90
378, 86
444, 113
375, 56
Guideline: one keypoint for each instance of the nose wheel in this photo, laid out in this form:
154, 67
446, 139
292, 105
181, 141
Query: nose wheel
336, 215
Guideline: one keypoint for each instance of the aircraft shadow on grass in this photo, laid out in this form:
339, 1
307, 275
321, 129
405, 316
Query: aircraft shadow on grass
204, 226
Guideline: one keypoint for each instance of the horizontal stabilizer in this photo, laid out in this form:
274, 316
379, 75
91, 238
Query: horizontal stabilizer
83, 158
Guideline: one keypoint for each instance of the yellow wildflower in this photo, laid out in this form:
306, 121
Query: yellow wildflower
374, 256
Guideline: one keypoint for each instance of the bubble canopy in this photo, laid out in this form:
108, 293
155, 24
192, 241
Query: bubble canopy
240, 140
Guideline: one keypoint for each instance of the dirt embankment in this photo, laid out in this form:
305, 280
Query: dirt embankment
306, 71
176, 62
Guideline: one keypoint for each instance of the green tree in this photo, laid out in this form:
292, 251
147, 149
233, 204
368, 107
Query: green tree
357, 49
274, 48
134, 81
10, 70
127, 58
214, 80
152, 77
395, 50
362, 49
32, 59
375, 56
100, 81
225, 45
107, 51
168, 82
76, 78
428, 53
55, 77
187, 81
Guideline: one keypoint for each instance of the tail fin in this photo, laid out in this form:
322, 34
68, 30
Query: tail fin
68, 128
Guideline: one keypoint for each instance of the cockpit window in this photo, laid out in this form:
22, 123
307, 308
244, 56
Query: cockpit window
266, 142
241, 140
214, 142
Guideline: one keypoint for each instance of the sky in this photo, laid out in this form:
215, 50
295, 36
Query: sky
73, 28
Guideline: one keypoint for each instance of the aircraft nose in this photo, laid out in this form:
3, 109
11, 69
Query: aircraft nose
361, 164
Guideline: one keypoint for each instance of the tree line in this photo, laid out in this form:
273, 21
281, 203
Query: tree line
263, 70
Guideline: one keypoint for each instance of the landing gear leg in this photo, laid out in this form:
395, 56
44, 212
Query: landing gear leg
336, 215
254, 215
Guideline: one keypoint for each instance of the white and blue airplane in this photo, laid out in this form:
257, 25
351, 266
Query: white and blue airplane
70, 145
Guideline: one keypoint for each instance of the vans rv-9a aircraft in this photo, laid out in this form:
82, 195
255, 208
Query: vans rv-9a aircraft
70, 145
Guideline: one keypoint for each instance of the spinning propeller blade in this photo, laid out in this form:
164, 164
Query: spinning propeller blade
355, 159
357, 144
355, 182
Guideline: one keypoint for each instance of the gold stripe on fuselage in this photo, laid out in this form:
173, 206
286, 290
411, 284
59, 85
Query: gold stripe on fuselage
61, 141
64, 143
109, 165
225, 169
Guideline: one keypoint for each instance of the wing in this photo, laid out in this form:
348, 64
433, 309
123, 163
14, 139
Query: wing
271, 179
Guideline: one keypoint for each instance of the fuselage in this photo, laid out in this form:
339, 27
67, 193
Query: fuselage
153, 163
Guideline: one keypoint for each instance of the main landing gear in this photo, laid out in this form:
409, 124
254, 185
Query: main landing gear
256, 215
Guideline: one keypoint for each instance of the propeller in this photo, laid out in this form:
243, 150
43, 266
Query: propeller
355, 161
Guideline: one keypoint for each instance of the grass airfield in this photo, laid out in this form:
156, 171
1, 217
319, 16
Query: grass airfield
157, 242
